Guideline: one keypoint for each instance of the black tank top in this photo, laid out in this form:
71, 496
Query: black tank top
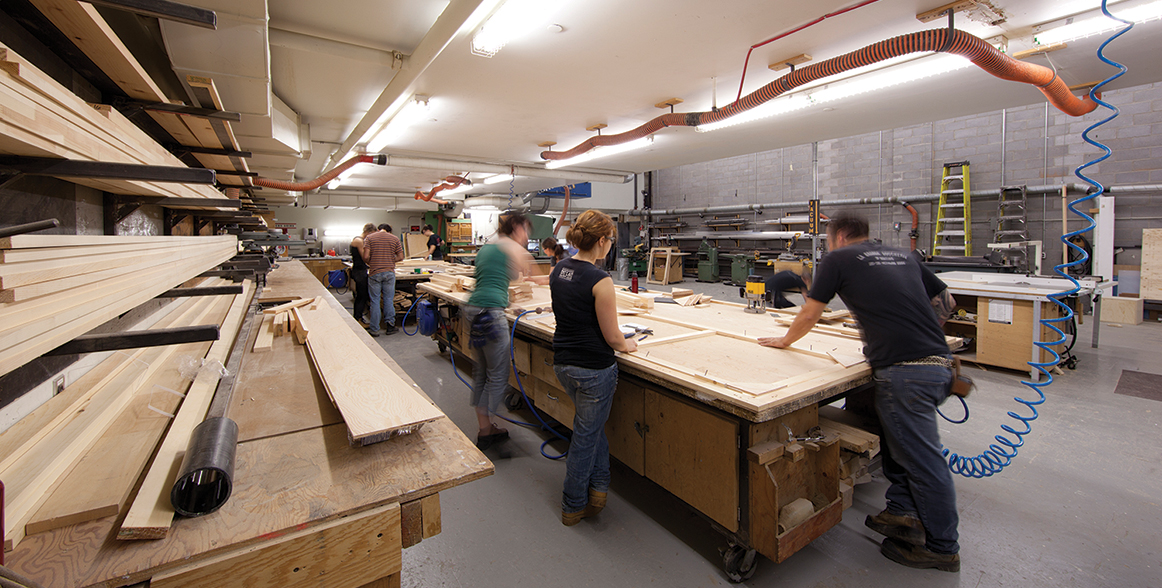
357, 262
578, 340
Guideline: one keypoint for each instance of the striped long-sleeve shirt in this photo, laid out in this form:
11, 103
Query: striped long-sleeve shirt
381, 250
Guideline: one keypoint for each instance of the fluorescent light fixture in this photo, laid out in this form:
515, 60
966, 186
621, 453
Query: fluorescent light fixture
457, 190
498, 178
414, 111
605, 151
774, 107
1078, 28
917, 70
513, 20
876, 79
339, 179
342, 231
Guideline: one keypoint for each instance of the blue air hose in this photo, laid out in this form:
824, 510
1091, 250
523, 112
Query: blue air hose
1000, 454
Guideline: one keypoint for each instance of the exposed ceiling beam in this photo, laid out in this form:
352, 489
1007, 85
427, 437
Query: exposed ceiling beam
399, 88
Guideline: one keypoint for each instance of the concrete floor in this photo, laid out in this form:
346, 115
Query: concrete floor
1078, 507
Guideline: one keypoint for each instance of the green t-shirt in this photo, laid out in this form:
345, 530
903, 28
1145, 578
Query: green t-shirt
492, 277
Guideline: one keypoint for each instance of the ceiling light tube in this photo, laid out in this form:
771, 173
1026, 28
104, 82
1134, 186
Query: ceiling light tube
604, 151
414, 111
1085, 27
513, 20
498, 178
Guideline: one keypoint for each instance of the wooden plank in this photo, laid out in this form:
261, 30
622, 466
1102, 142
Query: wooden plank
674, 338
100, 484
151, 514
265, 335
33, 272
373, 400
411, 523
851, 438
765, 453
431, 513
1151, 288
31, 479
347, 551
289, 305
1122, 310
280, 324
30, 241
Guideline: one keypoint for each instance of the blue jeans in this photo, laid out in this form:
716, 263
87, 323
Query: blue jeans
921, 484
587, 465
382, 287
490, 378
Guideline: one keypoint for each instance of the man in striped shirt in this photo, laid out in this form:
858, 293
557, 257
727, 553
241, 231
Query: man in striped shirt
381, 250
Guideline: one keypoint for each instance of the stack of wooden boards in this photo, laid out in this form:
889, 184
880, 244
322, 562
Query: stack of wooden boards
1151, 264
857, 448
375, 402
56, 287
41, 118
687, 297
87, 29
78, 456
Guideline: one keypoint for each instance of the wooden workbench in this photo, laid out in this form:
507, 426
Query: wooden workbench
305, 503
703, 410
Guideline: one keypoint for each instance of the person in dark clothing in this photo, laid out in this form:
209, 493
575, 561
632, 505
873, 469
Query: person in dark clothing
584, 342
554, 250
359, 275
785, 281
435, 244
900, 305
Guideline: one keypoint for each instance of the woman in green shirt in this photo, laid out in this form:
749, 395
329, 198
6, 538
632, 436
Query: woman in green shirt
497, 264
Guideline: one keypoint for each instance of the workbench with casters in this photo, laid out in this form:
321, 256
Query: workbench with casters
757, 456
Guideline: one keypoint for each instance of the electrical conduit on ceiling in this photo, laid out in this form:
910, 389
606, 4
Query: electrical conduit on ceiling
977, 50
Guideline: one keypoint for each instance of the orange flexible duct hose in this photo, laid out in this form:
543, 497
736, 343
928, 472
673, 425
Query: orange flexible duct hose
564, 210
974, 48
323, 179
449, 183
915, 232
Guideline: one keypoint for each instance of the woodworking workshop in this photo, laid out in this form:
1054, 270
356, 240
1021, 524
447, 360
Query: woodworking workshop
552, 293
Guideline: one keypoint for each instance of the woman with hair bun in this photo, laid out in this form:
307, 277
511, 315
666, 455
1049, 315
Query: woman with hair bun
586, 337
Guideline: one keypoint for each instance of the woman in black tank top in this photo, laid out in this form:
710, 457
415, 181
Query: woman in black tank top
586, 337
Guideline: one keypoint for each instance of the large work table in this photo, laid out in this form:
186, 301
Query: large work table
705, 411
307, 508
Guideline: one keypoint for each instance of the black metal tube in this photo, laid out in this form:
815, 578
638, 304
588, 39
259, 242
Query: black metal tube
206, 477
51, 223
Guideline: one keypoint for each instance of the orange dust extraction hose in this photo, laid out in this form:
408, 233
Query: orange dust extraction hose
449, 183
323, 179
977, 50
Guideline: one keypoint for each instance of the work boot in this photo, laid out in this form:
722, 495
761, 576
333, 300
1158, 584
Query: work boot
904, 527
918, 556
596, 502
572, 518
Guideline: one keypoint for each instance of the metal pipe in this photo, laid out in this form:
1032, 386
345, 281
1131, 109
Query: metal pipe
1134, 189
738, 235
1004, 115
289, 39
735, 208
32, 227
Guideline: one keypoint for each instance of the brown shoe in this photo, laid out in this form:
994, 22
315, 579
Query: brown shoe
572, 518
596, 502
903, 527
918, 556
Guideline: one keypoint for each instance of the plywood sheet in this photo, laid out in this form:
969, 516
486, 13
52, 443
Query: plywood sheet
1151, 264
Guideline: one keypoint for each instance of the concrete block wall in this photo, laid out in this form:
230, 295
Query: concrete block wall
1032, 145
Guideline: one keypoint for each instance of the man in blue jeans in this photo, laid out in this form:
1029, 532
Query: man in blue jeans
900, 305
381, 250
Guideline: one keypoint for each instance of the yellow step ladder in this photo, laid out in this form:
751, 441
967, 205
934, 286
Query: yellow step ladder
954, 210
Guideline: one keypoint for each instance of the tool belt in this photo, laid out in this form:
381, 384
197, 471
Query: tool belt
482, 330
961, 384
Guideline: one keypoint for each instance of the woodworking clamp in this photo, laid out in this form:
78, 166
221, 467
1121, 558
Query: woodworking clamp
814, 435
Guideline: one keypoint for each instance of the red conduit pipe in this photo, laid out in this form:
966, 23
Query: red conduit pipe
791, 32
974, 48
323, 179
564, 210
449, 183
915, 232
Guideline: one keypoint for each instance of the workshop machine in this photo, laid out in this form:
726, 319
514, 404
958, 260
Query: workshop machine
755, 293
741, 266
707, 262
637, 257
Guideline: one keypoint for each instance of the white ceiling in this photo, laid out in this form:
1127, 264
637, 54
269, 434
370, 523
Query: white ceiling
616, 59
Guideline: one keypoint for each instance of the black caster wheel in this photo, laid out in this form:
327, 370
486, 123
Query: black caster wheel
442, 347
739, 563
513, 401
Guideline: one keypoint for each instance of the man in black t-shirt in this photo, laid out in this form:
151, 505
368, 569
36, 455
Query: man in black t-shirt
900, 305
435, 244
785, 281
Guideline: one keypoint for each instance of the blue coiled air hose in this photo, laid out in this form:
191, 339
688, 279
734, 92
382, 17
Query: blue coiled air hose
512, 358
1000, 454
